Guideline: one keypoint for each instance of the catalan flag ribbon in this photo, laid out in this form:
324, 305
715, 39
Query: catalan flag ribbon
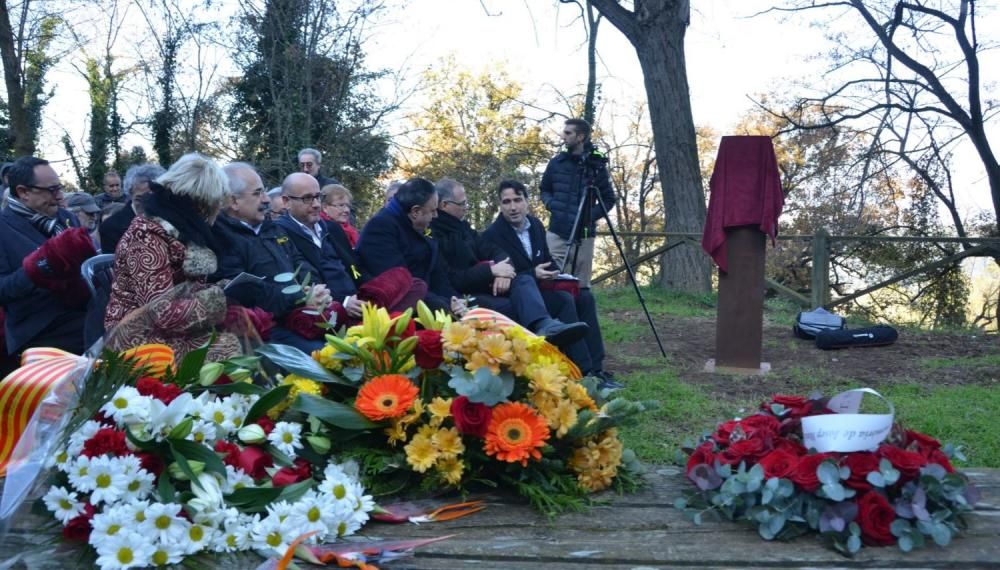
24, 389
157, 358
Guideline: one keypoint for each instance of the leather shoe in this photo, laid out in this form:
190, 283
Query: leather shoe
607, 381
561, 334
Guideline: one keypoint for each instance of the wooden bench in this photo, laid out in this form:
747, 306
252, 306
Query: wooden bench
640, 530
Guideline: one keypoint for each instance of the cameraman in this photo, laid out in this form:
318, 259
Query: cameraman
566, 178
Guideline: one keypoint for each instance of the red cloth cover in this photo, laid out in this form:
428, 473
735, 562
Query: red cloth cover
745, 191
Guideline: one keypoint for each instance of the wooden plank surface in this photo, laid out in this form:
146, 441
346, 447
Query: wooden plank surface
639, 530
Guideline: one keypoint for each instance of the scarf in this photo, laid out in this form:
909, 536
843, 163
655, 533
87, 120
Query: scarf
48, 227
182, 213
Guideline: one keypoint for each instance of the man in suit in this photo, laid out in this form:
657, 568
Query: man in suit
137, 179
310, 162
523, 236
40, 257
397, 237
479, 267
113, 191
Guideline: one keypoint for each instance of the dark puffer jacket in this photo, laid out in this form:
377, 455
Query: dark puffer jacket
562, 188
462, 250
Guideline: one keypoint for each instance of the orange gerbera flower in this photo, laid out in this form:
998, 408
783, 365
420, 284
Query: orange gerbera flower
387, 396
516, 433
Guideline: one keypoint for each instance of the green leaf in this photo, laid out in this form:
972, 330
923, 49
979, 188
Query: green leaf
198, 452
297, 362
828, 474
253, 499
283, 277
244, 388
165, 488
835, 492
941, 534
876, 479
183, 464
182, 429
266, 402
295, 491
333, 413
853, 543
483, 387
905, 543
141, 445
192, 362
291, 289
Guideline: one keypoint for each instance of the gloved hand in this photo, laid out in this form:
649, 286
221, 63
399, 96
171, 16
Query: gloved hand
56, 264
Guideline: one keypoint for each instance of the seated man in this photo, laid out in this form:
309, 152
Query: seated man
523, 237
40, 257
315, 242
260, 247
137, 179
479, 267
396, 237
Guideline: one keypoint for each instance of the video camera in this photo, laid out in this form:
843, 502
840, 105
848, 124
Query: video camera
592, 157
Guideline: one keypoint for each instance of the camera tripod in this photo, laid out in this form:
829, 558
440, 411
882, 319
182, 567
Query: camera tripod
584, 211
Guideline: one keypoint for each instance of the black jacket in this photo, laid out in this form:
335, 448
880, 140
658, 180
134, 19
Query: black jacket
388, 240
265, 255
562, 187
462, 250
502, 234
112, 229
324, 262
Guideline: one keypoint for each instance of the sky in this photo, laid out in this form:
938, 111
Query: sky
732, 55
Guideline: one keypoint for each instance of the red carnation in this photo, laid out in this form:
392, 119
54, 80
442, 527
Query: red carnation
875, 517
231, 451
300, 471
429, 353
703, 454
805, 474
151, 462
266, 424
907, 462
78, 528
861, 464
107, 441
779, 463
470, 418
154, 388
254, 460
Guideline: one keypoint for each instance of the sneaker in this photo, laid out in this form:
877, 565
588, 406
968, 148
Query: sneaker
562, 334
607, 380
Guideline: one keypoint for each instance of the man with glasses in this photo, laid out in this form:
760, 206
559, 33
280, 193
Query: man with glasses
310, 162
40, 257
481, 268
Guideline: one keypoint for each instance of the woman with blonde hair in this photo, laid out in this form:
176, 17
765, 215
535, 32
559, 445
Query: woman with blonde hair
337, 208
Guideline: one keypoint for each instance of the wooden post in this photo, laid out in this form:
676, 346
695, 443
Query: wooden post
821, 268
740, 320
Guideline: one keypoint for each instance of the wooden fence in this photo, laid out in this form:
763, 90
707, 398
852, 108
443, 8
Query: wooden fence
822, 244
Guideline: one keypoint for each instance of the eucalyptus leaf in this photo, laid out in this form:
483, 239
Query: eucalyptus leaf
853, 543
905, 543
941, 534
828, 474
291, 289
876, 479
284, 277
835, 492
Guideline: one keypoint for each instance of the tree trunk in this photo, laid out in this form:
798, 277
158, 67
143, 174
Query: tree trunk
661, 55
23, 141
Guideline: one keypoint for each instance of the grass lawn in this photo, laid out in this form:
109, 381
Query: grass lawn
952, 395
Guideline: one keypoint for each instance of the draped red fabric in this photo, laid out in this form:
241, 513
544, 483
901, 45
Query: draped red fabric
745, 191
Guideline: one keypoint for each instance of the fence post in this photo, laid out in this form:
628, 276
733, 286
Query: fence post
821, 268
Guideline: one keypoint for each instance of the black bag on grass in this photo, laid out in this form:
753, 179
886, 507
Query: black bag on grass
809, 323
878, 335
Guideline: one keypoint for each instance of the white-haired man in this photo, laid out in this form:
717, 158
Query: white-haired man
310, 162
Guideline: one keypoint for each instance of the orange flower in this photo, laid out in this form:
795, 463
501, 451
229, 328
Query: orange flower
388, 396
516, 433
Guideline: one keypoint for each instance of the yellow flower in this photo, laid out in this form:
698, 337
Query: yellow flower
579, 396
300, 385
448, 443
546, 404
375, 326
496, 348
477, 360
458, 337
440, 410
396, 432
421, 453
565, 418
451, 469
325, 356
522, 356
596, 462
547, 379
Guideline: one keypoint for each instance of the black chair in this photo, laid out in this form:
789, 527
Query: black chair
98, 273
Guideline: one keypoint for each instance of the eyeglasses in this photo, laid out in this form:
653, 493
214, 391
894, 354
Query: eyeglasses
462, 204
306, 198
52, 189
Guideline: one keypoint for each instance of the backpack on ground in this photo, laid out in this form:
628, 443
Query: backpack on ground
809, 323
878, 335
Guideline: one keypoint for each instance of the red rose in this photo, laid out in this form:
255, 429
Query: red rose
703, 454
907, 462
107, 441
724, 431
748, 450
790, 426
266, 424
231, 451
429, 353
303, 322
253, 460
861, 464
920, 440
938, 456
779, 463
792, 446
151, 462
875, 516
470, 418
300, 471
760, 426
805, 474
797, 406
78, 528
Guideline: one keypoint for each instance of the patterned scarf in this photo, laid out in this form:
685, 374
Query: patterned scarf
47, 226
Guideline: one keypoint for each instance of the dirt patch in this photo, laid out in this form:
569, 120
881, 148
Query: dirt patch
797, 365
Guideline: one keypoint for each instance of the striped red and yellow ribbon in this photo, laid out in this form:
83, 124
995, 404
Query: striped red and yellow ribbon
42, 368
503, 321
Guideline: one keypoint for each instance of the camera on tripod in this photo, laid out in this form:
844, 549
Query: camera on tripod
592, 157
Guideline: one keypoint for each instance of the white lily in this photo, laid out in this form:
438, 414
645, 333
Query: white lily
163, 418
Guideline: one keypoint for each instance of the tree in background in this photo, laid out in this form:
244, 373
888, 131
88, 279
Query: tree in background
304, 84
474, 129
25, 46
